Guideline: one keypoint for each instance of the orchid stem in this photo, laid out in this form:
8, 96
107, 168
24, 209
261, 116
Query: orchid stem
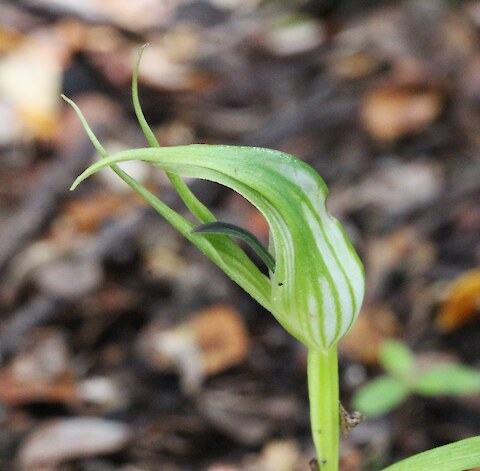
324, 406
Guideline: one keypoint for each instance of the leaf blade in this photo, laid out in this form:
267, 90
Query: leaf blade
380, 396
452, 380
457, 456
397, 358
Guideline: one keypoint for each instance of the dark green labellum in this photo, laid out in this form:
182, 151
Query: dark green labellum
232, 230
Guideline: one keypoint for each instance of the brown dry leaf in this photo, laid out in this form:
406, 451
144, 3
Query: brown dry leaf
30, 80
72, 33
98, 394
244, 414
69, 278
457, 38
222, 337
353, 65
14, 392
402, 249
351, 459
87, 214
278, 455
45, 357
391, 112
110, 300
9, 38
107, 48
290, 34
212, 341
163, 71
163, 66
40, 373
462, 301
397, 187
374, 325
66, 439
135, 16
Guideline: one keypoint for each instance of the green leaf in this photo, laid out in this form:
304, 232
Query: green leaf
397, 358
379, 396
458, 456
318, 283
241, 233
448, 380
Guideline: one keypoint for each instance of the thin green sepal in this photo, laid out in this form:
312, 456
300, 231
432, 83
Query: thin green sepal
198, 209
96, 143
225, 253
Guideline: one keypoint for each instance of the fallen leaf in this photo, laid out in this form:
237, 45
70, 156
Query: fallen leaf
462, 302
14, 392
293, 34
396, 187
373, 326
353, 64
213, 340
278, 455
30, 78
133, 16
391, 112
87, 214
69, 277
9, 38
403, 250
244, 414
222, 337
61, 440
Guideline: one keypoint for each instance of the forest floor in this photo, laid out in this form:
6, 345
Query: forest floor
121, 346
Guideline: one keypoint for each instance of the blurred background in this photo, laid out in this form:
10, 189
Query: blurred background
121, 346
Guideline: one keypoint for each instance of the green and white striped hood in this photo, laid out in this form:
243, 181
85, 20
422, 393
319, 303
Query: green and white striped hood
317, 287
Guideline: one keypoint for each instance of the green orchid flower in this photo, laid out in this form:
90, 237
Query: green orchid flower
317, 286
315, 281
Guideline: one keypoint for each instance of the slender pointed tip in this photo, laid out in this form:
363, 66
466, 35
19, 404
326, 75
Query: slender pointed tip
77, 181
70, 102
140, 52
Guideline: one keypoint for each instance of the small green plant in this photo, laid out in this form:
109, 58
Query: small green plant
405, 377
315, 281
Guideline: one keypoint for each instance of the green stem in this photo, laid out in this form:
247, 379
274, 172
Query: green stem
324, 406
